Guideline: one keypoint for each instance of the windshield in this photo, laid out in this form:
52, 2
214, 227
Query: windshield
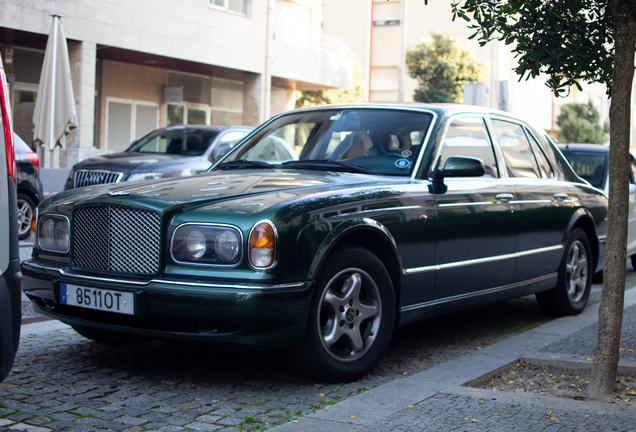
364, 140
588, 166
185, 142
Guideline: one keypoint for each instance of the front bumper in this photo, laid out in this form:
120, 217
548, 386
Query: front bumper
182, 309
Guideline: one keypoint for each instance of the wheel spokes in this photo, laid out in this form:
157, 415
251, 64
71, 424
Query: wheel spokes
576, 272
346, 329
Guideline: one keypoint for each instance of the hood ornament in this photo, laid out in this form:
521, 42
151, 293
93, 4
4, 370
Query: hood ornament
118, 193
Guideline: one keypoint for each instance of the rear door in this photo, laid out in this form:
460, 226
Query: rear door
544, 203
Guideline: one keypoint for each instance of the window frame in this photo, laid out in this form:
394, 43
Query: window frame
225, 7
133, 118
489, 130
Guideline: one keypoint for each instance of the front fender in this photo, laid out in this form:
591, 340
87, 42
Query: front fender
339, 233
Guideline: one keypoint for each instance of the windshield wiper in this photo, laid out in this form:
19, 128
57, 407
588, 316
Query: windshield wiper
327, 163
244, 164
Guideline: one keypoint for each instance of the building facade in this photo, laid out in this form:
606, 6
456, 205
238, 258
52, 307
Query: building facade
379, 32
138, 65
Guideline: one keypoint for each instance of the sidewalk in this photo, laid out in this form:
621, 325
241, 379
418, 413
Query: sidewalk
436, 400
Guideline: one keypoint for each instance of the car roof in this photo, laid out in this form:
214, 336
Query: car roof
211, 128
441, 109
591, 148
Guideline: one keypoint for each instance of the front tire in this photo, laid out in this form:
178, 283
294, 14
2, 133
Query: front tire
26, 210
570, 295
351, 318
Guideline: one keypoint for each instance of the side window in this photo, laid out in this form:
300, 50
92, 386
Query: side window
227, 142
518, 155
469, 137
544, 165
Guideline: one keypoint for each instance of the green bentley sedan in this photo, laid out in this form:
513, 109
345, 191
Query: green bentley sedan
323, 230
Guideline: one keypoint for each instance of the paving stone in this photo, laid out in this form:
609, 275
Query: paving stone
197, 426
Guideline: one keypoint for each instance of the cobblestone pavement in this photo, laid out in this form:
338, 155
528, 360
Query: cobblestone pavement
450, 412
580, 345
64, 382
61, 381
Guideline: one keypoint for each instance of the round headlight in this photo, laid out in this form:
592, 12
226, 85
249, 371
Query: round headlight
195, 244
62, 235
47, 234
227, 246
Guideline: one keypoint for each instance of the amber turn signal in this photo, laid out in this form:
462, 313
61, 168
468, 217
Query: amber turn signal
262, 245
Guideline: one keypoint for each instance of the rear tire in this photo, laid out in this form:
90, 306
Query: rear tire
351, 317
570, 295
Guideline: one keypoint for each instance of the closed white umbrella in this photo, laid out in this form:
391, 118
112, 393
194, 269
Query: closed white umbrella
55, 116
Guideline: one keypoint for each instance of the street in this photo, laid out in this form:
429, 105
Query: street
62, 381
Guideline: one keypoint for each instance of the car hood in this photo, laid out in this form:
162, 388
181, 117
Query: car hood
124, 162
281, 185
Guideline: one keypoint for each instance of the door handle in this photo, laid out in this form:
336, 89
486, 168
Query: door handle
504, 197
560, 196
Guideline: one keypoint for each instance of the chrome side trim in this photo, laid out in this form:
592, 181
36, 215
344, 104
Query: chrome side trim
532, 202
421, 269
468, 204
477, 294
481, 260
540, 250
477, 261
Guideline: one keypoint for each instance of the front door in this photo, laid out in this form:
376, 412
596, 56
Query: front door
475, 236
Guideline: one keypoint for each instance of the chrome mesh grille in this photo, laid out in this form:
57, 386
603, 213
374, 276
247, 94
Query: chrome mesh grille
117, 239
85, 178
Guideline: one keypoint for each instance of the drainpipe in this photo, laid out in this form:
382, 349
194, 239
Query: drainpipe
403, 54
370, 53
266, 92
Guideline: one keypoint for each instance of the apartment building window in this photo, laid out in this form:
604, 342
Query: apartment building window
223, 106
128, 120
238, 6
292, 24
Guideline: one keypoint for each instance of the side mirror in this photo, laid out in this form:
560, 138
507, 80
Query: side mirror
460, 166
455, 166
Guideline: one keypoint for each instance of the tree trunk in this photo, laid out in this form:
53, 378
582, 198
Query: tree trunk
606, 354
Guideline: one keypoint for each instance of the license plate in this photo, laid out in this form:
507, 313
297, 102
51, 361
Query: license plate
98, 299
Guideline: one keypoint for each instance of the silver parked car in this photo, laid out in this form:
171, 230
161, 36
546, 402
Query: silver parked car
172, 151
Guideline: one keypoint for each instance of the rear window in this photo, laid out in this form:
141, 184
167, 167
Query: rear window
184, 142
588, 166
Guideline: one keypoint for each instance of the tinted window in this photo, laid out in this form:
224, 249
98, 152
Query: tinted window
469, 137
186, 142
589, 166
385, 141
518, 155
544, 165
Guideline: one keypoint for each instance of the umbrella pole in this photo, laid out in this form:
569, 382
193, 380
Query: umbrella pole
56, 19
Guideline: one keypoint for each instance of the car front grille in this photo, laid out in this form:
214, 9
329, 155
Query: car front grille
85, 178
117, 239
